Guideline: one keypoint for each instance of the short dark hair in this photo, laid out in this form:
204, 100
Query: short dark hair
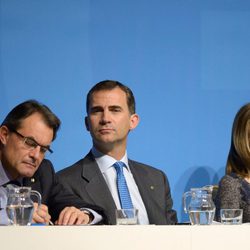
25, 109
239, 154
109, 85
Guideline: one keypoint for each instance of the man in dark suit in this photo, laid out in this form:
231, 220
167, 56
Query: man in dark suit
60, 203
110, 117
25, 136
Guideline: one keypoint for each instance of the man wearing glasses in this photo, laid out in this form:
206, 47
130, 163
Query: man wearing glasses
25, 137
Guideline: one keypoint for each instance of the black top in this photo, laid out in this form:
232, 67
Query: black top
234, 192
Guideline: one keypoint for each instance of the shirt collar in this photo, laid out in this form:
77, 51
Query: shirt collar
105, 161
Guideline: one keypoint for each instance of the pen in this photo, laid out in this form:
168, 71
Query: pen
42, 224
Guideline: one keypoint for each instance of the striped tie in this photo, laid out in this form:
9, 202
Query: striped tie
122, 187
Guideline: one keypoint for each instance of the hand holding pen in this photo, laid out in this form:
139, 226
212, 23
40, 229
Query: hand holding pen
41, 214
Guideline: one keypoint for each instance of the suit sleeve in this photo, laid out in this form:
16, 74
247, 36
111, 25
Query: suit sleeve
61, 198
171, 216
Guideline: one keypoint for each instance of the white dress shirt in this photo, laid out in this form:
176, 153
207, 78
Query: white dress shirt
105, 163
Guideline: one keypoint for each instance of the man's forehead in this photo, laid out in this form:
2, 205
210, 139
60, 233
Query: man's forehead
31, 119
109, 96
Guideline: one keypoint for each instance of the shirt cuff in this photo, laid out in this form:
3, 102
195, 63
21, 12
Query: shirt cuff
96, 217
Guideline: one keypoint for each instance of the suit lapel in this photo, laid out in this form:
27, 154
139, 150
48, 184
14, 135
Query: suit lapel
30, 182
147, 188
97, 188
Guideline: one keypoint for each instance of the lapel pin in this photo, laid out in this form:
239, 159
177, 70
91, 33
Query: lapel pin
152, 187
32, 180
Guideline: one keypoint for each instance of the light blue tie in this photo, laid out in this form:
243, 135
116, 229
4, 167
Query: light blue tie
122, 187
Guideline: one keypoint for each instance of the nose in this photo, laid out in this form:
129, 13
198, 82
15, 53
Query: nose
105, 117
35, 152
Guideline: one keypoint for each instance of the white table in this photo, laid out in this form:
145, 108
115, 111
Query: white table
125, 237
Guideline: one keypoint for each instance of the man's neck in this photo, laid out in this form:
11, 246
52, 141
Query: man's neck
115, 152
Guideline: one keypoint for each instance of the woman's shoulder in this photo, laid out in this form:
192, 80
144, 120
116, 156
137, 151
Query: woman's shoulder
230, 179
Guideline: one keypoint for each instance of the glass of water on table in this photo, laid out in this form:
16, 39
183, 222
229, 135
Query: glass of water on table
231, 216
126, 216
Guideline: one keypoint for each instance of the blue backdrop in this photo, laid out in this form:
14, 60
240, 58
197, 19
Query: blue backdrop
187, 61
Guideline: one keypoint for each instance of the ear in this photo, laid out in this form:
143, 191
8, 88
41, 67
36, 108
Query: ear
134, 121
86, 123
4, 133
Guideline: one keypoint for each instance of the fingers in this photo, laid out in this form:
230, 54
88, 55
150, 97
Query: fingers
41, 214
73, 216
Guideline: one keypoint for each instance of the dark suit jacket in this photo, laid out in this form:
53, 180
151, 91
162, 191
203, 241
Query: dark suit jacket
53, 194
42, 181
85, 179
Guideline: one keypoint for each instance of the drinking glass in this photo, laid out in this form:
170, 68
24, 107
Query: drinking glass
126, 216
231, 216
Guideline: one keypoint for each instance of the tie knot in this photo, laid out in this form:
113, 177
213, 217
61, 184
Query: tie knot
119, 166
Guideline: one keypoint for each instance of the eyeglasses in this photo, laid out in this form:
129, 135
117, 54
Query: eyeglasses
32, 144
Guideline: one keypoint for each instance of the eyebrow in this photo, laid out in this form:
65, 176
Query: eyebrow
95, 108
115, 107
109, 107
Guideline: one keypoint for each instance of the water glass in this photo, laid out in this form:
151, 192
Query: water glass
126, 216
231, 216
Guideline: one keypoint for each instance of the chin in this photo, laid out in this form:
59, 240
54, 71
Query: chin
28, 172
